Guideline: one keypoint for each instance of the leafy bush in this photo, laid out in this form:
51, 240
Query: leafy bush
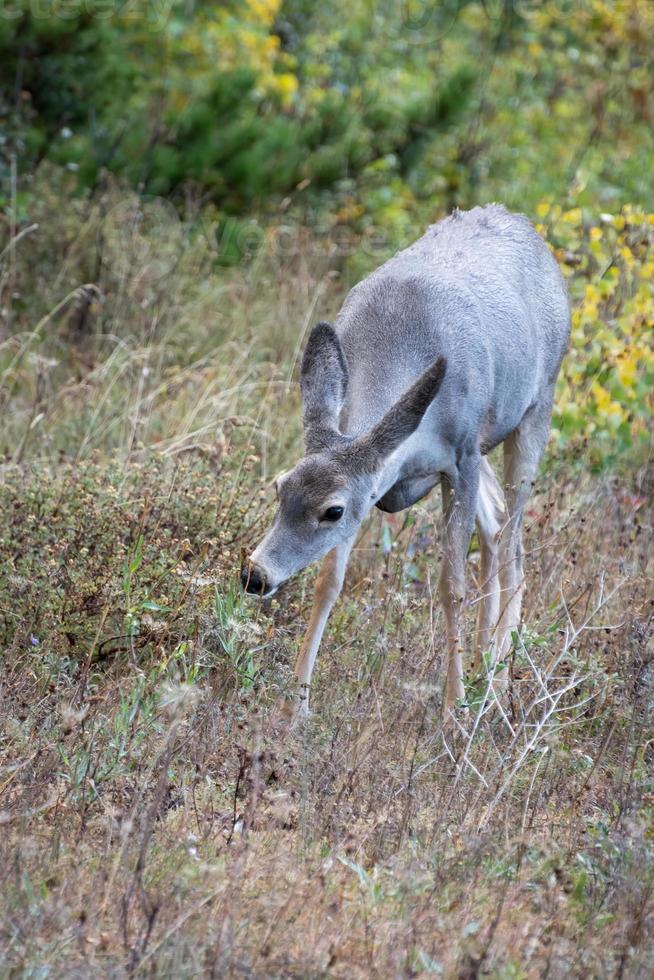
362, 121
433, 104
606, 391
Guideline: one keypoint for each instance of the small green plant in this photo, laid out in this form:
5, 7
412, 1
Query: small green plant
478, 687
237, 635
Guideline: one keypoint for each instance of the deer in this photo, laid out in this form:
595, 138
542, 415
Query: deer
448, 349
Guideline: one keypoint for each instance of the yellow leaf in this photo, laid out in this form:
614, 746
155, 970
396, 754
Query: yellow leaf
628, 369
572, 217
287, 84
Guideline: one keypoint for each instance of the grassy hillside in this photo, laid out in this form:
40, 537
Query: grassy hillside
158, 819
184, 191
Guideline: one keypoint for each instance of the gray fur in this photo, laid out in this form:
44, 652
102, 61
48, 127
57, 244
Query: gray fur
323, 382
435, 358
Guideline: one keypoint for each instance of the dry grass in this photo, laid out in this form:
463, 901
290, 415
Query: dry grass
156, 818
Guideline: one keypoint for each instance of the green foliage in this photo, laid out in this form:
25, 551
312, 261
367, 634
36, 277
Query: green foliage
605, 395
236, 635
380, 113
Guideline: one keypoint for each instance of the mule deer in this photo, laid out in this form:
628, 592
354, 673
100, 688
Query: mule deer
448, 349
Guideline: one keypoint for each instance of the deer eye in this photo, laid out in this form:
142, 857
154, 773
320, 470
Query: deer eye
332, 514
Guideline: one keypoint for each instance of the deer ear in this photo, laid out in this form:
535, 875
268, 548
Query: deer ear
404, 417
323, 382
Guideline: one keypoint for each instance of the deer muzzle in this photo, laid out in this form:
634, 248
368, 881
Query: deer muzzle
253, 580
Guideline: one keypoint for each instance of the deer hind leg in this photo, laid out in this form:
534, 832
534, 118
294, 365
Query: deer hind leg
523, 450
460, 504
328, 588
491, 519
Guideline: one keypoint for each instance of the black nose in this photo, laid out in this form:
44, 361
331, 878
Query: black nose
252, 580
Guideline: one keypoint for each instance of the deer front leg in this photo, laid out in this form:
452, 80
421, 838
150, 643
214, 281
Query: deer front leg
328, 588
460, 503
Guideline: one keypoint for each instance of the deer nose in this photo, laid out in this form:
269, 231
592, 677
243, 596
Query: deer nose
252, 580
